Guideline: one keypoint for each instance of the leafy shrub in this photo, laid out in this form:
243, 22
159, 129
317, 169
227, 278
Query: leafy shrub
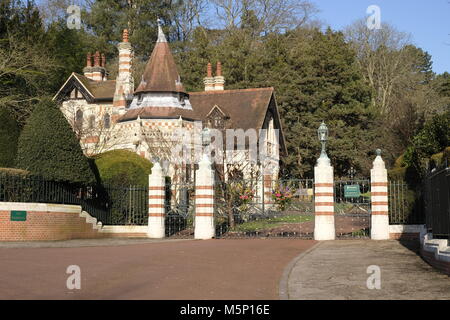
123, 168
432, 139
9, 133
48, 147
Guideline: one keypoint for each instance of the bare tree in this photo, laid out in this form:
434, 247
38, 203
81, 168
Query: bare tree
19, 60
97, 133
187, 15
383, 60
272, 15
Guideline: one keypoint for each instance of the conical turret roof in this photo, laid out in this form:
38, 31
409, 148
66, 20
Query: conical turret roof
161, 74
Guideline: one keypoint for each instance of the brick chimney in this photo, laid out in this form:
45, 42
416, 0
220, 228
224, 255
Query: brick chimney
209, 80
124, 81
219, 80
98, 70
88, 69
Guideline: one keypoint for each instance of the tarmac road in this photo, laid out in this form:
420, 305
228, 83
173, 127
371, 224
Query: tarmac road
111, 269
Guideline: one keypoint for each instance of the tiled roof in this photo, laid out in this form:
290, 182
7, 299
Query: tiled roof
161, 74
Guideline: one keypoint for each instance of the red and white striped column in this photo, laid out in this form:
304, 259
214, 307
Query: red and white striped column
156, 210
204, 200
379, 198
324, 228
124, 80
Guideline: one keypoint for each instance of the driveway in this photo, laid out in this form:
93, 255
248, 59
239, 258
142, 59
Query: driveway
120, 269
338, 270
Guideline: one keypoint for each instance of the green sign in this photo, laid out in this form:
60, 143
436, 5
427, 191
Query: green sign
18, 216
352, 191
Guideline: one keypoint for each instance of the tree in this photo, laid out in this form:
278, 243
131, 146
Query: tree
48, 147
317, 79
25, 64
401, 78
9, 133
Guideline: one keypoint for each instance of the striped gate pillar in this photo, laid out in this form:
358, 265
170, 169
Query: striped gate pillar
379, 198
324, 228
204, 200
156, 211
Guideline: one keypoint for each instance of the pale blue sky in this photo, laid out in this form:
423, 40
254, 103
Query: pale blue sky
427, 21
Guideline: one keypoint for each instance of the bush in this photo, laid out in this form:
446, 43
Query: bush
433, 138
9, 134
48, 147
122, 167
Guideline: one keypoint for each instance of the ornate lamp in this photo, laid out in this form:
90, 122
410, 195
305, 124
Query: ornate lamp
322, 133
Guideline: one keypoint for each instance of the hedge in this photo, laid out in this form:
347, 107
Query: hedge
123, 168
49, 148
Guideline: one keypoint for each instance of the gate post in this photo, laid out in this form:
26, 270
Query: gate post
324, 228
156, 211
379, 197
204, 200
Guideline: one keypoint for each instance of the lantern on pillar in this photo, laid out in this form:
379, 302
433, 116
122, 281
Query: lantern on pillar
322, 133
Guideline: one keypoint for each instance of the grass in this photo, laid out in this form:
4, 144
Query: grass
259, 225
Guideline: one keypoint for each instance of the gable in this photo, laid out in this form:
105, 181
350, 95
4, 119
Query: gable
91, 91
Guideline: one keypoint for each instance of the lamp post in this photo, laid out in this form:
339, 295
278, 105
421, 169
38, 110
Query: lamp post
322, 134
351, 173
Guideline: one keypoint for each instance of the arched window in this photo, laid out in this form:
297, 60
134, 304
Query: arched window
107, 121
79, 119
91, 122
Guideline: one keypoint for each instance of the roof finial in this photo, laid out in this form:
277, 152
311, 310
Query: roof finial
161, 36
125, 35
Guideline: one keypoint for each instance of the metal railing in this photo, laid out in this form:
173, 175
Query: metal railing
38, 190
405, 206
111, 205
437, 203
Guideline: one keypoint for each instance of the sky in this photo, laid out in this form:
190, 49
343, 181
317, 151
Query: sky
428, 22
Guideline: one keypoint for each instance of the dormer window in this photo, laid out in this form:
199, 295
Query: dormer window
216, 118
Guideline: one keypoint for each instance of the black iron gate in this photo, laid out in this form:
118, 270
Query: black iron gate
271, 208
352, 208
180, 209
126, 205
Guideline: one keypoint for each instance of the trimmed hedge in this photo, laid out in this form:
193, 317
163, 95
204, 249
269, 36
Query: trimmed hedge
49, 148
9, 134
123, 168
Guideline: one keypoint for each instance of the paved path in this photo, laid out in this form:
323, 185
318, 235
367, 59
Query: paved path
212, 269
338, 270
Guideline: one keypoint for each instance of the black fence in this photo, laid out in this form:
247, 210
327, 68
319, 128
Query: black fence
405, 205
437, 203
109, 204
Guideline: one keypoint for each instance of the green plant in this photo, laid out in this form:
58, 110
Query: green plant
9, 134
122, 167
48, 147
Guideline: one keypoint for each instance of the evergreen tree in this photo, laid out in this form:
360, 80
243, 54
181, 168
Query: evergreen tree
9, 133
48, 147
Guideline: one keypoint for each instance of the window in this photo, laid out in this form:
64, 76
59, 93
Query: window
107, 121
79, 119
91, 122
